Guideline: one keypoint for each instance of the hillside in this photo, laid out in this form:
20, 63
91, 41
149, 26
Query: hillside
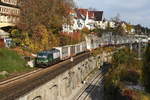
11, 62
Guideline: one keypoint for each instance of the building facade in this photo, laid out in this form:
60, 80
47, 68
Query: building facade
9, 15
9, 12
82, 18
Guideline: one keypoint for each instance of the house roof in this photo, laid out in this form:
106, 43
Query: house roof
98, 15
83, 11
82, 14
91, 14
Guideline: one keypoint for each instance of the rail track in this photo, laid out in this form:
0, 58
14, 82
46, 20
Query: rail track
19, 77
91, 86
31, 73
20, 85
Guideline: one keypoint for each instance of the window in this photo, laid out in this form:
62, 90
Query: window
9, 10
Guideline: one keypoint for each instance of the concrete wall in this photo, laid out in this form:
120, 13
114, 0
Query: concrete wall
64, 86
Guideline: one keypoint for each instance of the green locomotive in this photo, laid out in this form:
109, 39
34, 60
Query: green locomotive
47, 58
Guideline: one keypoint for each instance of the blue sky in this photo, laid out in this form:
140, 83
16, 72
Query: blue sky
133, 11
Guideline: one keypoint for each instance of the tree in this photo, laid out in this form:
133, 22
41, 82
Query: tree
65, 39
123, 56
108, 28
16, 36
146, 69
98, 31
128, 27
50, 13
26, 39
118, 30
85, 30
41, 21
138, 28
41, 39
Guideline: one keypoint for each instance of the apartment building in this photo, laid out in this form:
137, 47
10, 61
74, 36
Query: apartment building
9, 12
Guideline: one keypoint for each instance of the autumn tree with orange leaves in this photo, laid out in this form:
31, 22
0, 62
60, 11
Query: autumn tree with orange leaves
50, 13
41, 20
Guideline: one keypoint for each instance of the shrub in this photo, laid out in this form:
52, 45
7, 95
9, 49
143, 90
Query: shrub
112, 92
146, 69
130, 76
130, 94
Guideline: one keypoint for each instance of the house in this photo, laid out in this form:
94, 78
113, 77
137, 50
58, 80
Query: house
90, 17
127, 28
82, 18
9, 14
105, 24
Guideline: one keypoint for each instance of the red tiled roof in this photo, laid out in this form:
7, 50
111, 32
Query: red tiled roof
98, 15
82, 13
91, 14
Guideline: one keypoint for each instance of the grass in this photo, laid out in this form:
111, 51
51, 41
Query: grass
4, 76
11, 62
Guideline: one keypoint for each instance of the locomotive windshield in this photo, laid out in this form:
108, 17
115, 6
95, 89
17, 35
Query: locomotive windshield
42, 55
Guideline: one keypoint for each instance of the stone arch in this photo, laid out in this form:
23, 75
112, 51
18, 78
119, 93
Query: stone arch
37, 98
54, 92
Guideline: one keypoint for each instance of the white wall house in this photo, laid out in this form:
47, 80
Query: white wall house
105, 24
81, 18
112, 24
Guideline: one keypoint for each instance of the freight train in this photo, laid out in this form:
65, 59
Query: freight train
57, 54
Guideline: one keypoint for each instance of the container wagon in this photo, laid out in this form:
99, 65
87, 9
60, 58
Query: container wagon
77, 48
83, 46
72, 50
64, 52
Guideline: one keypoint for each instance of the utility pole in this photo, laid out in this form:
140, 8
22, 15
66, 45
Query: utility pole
130, 43
131, 48
110, 39
139, 49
